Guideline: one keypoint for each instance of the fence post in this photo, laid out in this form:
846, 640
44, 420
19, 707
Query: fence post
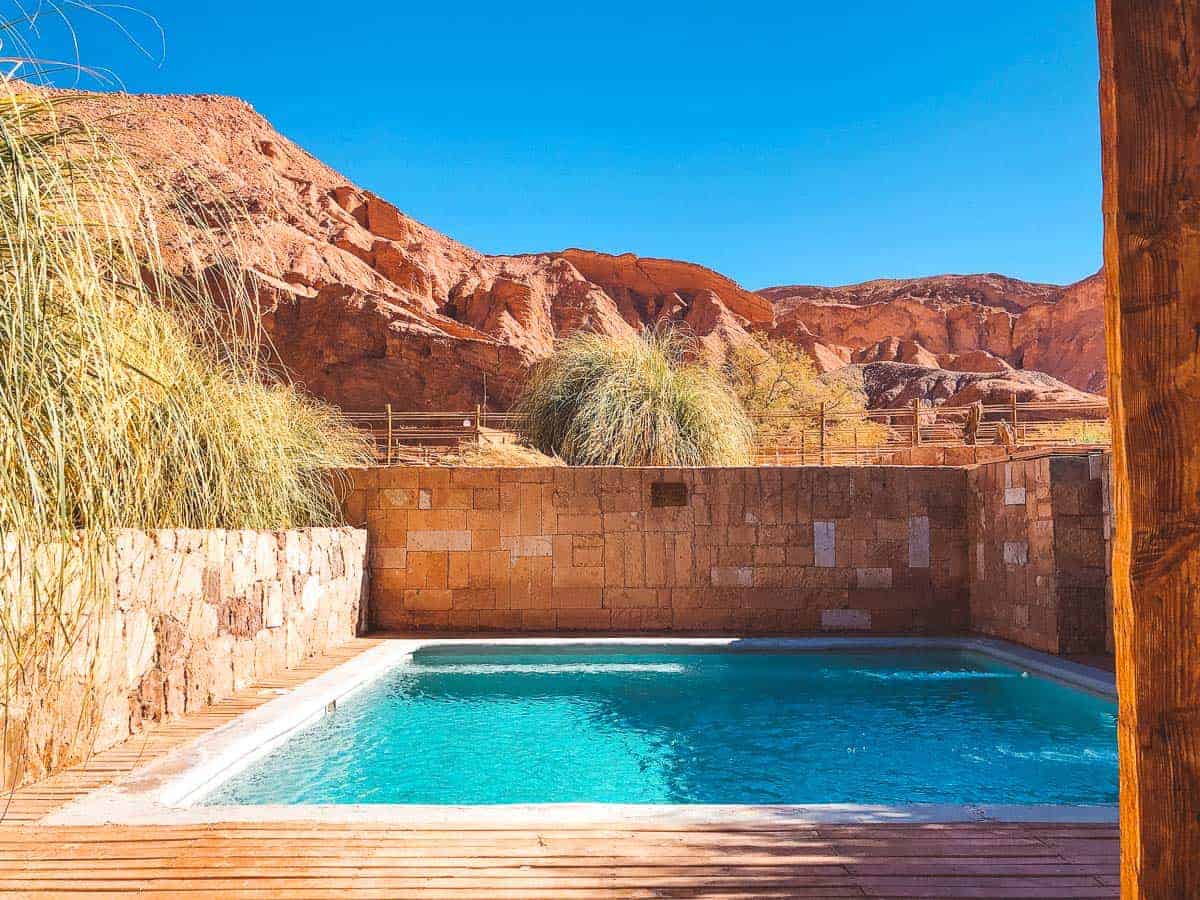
823, 462
478, 423
1016, 438
389, 434
803, 446
916, 428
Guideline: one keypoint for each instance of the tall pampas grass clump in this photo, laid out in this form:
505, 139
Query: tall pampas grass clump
633, 401
129, 398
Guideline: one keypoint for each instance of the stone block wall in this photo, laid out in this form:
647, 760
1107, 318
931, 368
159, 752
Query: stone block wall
1039, 553
1106, 498
195, 616
720, 550
947, 456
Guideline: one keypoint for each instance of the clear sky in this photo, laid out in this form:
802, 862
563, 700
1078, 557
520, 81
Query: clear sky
777, 142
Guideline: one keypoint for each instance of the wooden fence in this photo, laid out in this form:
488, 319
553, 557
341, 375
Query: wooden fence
820, 437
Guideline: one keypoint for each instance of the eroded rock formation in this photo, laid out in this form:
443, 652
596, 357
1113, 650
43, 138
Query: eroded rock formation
973, 323
367, 306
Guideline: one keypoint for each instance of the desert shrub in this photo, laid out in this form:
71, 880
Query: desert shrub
130, 399
781, 389
1075, 431
633, 401
500, 455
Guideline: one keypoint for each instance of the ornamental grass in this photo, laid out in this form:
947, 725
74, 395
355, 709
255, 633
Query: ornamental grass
130, 398
633, 401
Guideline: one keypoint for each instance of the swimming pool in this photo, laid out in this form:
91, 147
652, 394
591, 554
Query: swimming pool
669, 724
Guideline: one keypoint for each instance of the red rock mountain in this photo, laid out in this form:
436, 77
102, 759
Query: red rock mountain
968, 323
368, 306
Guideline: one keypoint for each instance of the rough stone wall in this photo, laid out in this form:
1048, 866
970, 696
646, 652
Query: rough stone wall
1106, 499
1081, 554
947, 456
196, 616
1038, 553
735, 551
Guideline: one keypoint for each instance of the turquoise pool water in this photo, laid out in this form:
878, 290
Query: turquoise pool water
639, 726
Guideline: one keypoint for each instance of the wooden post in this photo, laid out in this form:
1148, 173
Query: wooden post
1016, 436
916, 429
389, 434
822, 434
1150, 115
478, 424
803, 446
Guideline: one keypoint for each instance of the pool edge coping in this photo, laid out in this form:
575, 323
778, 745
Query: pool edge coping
164, 791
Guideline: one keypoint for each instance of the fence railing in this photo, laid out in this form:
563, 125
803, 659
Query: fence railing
822, 436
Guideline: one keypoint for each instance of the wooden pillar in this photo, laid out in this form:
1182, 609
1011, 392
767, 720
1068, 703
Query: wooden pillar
1150, 111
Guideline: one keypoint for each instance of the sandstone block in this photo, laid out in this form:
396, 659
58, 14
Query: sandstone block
918, 542
574, 523
630, 598
439, 540
824, 544
846, 620
578, 577
587, 551
523, 546
584, 619
428, 599
640, 619
475, 478
873, 578
389, 557
731, 576
486, 498
501, 619
1016, 553
398, 498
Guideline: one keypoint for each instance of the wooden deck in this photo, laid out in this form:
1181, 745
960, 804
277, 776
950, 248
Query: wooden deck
290, 860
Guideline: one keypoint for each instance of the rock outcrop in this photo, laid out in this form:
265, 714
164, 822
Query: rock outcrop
895, 384
977, 323
367, 306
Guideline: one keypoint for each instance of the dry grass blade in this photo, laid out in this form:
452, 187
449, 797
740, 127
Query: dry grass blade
129, 399
633, 402
488, 454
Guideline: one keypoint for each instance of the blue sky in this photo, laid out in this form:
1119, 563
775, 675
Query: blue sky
809, 142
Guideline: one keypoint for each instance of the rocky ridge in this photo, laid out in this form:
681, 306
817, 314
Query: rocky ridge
367, 306
968, 323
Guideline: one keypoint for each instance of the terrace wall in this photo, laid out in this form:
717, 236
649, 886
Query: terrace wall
721, 550
1107, 524
1014, 549
195, 617
1040, 555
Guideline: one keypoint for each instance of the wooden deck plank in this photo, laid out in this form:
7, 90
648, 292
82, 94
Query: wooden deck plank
254, 860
